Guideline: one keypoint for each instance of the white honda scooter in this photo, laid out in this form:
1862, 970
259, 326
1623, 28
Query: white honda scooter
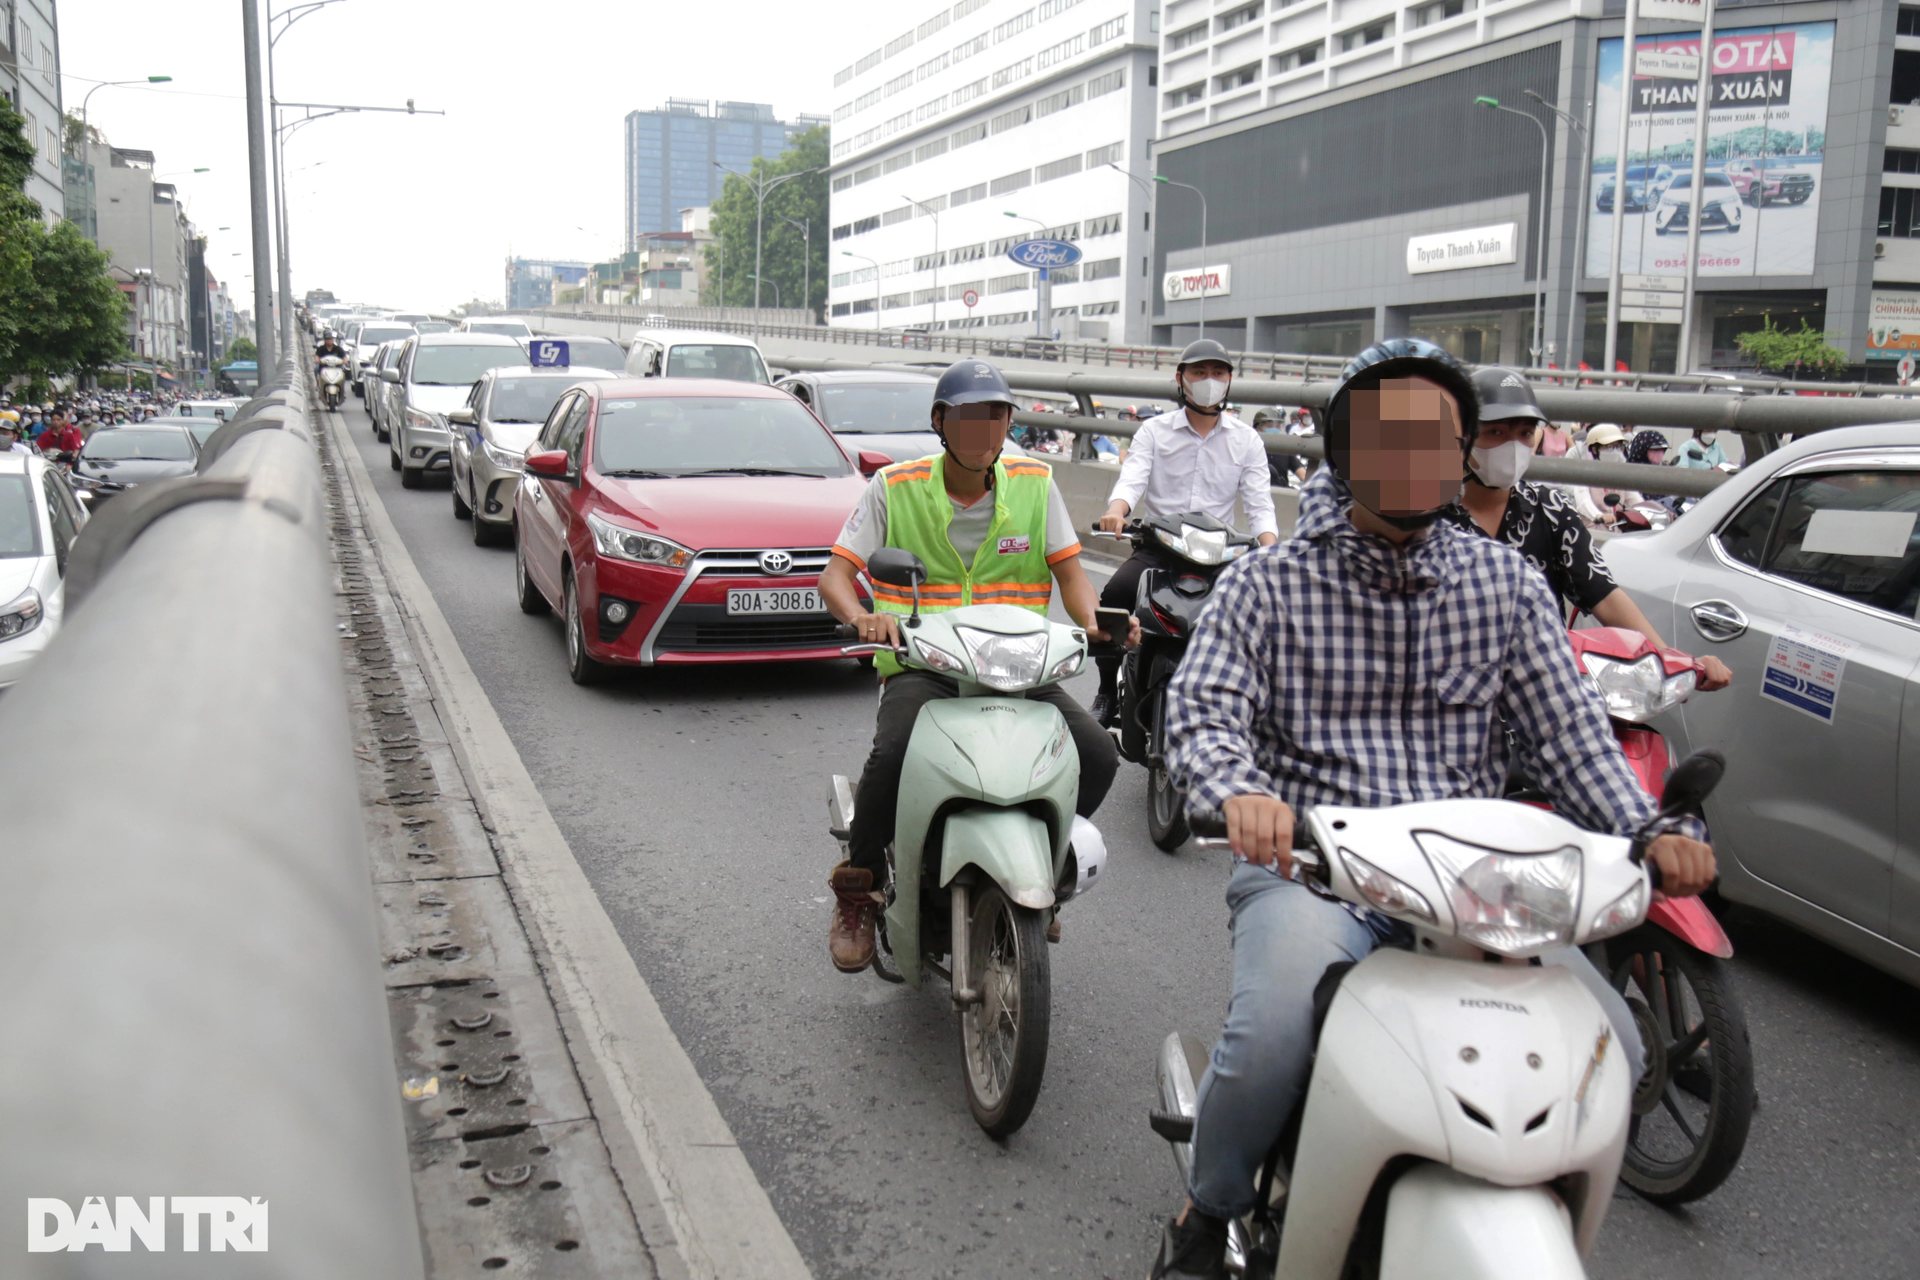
1468, 1107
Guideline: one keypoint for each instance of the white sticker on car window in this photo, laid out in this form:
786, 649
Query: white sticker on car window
1858, 533
1805, 670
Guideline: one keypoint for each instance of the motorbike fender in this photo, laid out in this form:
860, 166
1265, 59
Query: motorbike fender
1010, 846
1443, 1225
1689, 920
986, 749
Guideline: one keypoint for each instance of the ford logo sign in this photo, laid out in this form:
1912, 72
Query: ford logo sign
1044, 253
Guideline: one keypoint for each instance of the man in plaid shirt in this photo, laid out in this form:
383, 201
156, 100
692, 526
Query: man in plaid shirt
1378, 658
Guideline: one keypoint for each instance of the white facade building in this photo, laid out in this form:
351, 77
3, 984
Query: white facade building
30, 79
991, 108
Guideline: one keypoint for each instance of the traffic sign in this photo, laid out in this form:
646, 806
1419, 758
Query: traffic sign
1651, 315
549, 353
1655, 284
1045, 253
1637, 298
971, 298
1906, 371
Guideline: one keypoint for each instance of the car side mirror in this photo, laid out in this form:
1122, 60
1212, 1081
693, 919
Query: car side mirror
895, 566
551, 463
871, 462
462, 415
389, 375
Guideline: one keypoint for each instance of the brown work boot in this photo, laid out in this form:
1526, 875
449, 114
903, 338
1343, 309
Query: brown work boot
850, 933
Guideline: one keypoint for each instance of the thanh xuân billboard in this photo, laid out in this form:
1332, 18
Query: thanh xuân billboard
1766, 132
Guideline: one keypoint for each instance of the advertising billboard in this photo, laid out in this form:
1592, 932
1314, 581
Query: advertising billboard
1766, 134
1893, 324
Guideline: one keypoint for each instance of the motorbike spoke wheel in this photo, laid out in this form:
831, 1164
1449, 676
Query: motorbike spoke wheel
1003, 1037
1693, 1111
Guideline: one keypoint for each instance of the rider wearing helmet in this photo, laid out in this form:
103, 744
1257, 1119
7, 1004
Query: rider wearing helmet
1540, 521
990, 530
1195, 457
1381, 655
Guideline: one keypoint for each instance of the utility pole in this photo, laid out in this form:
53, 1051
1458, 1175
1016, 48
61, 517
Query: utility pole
806, 259
1540, 228
761, 188
1683, 361
1628, 50
263, 335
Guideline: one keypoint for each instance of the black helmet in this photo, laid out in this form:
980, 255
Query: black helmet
1203, 349
1505, 395
1402, 358
972, 382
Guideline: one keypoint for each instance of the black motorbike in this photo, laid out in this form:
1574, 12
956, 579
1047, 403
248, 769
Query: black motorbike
1171, 598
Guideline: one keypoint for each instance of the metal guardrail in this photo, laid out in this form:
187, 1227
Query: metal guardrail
189, 973
1269, 364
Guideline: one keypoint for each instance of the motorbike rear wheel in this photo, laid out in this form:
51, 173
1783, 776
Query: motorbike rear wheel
1003, 1038
1693, 1107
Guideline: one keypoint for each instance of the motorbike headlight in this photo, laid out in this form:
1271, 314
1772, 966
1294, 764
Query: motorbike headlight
627, 544
1622, 914
1516, 904
1202, 546
1632, 690
506, 459
939, 659
1006, 663
22, 615
1384, 891
1055, 753
423, 421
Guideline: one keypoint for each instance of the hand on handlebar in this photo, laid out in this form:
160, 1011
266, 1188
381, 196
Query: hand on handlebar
1686, 866
1716, 676
1111, 523
877, 628
1260, 829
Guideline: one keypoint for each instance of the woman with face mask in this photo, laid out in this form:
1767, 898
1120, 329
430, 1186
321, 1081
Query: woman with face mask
1541, 521
1703, 452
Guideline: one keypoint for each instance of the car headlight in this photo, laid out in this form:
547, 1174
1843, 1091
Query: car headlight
627, 544
939, 659
1516, 904
1003, 662
1386, 892
506, 459
1055, 752
1202, 546
422, 421
1637, 690
1622, 914
22, 615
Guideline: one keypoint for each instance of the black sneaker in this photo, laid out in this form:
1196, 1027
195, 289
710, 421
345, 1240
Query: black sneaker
1192, 1250
1104, 709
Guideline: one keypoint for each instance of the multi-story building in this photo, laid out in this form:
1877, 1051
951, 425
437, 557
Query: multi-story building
530, 281
986, 123
30, 80
1361, 187
678, 155
144, 231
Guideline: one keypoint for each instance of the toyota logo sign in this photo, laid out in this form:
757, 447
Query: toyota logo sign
776, 563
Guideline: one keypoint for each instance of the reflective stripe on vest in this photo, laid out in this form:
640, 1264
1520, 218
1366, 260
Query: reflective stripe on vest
919, 515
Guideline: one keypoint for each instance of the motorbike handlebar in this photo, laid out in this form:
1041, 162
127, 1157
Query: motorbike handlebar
846, 631
1210, 832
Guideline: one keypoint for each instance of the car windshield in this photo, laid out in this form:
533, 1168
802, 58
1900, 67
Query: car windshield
672, 436
19, 522
731, 363
595, 353
877, 408
203, 429
374, 335
509, 330
1685, 180
457, 366
121, 443
433, 326
1640, 173
524, 399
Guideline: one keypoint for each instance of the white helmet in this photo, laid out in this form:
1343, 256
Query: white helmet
1086, 854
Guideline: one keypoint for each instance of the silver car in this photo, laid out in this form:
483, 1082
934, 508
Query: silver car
435, 375
491, 432
379, 397
365, 343
1802, 574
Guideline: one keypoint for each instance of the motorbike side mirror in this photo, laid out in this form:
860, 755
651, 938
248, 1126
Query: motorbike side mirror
1691, 782
898, 567
1613, 499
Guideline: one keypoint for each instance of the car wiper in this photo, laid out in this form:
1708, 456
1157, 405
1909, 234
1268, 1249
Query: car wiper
750, 471
522, 421
632, 474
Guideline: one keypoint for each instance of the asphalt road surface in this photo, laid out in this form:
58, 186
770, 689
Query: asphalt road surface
696, 803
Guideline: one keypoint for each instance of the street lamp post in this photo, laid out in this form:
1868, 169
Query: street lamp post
848, 253
286, 17
86, 135
761, 186
1203, 247
1540, 230
806, 259
776, 292
935, 215
1576, 319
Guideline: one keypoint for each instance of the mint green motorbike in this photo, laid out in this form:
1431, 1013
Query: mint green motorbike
986, 844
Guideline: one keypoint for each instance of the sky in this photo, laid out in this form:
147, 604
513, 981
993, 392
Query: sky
421, 212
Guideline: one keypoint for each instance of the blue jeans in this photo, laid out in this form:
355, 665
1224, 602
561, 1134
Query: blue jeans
1284, 937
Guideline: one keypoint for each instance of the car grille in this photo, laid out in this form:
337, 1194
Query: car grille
707, 628
746, 564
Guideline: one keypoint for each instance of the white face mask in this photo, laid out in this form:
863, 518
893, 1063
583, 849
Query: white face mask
1207, 392
1502, 465
1706, 437
1613, 453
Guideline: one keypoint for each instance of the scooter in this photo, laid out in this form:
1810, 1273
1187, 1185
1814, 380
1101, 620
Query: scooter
333, 378
1467, 1109
986, 844
1693, 1107
1168, 604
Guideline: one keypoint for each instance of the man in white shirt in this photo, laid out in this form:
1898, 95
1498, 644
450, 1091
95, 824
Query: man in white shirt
1195, 457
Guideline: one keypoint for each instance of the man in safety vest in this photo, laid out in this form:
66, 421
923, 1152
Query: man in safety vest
990, 531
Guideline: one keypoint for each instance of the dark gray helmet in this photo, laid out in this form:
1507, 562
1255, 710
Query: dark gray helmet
1505, 395
1204, 349
972, 382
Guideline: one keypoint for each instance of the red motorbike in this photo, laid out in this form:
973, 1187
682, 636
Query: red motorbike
1693, 1106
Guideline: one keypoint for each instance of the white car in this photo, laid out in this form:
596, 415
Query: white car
695, 353
505, 326
39, 519
368, 341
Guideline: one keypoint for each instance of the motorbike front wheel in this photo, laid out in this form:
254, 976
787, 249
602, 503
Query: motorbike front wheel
1693, 1107
1166, 803
1003, 1037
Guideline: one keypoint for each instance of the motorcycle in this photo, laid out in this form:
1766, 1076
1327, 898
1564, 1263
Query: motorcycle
1467, 1110
333, 379
986, 845
1169, 603
1693, 1108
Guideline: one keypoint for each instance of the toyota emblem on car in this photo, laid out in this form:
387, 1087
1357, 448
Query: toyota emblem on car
777, 563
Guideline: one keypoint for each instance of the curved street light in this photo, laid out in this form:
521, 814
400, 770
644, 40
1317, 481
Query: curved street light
1540, 230
848, 253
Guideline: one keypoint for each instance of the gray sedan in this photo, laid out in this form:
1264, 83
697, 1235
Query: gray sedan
1802, 574
491, 432
878, 410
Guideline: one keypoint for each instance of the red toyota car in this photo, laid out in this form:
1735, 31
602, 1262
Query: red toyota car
676, 520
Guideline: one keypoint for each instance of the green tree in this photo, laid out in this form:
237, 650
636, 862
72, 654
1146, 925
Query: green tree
241, 349
1782, 351
783, 254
